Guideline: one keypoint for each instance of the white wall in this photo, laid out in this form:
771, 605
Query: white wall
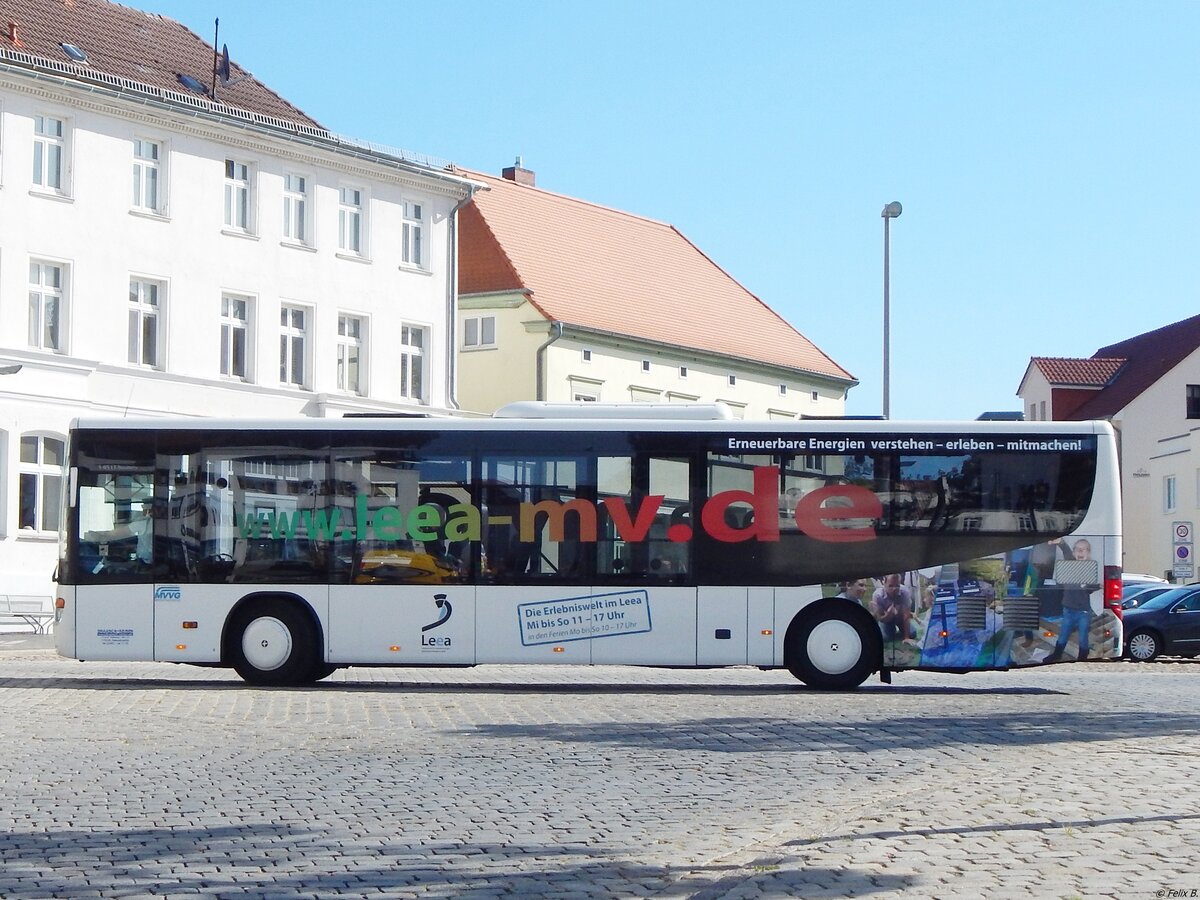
94, 233
1035, 396
1176, 457
1159, 414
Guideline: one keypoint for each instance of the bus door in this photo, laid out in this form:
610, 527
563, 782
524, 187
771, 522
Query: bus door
648, 614
115, 537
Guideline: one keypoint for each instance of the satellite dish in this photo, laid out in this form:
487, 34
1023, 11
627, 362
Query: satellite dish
223, 70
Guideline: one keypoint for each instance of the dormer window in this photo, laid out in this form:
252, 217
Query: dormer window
192, 84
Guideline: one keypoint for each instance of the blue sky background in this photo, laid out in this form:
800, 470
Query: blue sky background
1045, 153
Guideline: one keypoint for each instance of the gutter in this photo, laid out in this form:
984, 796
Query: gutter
556, 332
452, 297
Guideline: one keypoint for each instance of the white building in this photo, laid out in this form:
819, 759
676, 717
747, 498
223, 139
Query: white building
566, 300
1148, 386
162, 252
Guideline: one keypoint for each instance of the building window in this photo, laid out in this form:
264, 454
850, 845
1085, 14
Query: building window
585, 398
1032, 412
412, 363
41, 477
349, 354
479, 331
1193, 401
587, 355
235, 336
49, 153
146, 170
645, 365
293, 346
732, 380
237, 195
816, 396
46, 305
412, 249
683, 371
783, 390
295, 208
350, 221
1042, 411
145, 308
1169, 497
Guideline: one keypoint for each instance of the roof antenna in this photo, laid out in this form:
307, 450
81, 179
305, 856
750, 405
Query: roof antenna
216, 33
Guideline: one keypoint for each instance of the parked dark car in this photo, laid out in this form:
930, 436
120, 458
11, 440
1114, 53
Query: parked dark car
1167, 624
1135, 595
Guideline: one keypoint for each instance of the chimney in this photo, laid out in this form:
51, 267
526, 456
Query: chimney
519, 174
12, 35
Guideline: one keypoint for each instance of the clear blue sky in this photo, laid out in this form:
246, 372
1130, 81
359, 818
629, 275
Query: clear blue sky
1045, 153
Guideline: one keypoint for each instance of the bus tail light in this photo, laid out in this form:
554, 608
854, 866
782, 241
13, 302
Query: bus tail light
60, 603
1112, 590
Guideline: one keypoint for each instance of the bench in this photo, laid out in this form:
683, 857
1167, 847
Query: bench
36, 611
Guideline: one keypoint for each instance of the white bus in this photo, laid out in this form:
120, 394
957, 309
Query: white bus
590, 534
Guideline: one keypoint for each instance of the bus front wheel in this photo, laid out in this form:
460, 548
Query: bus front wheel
274, 642
833, 645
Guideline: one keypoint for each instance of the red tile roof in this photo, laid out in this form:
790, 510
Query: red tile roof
603, 269
130, 44
1072, 372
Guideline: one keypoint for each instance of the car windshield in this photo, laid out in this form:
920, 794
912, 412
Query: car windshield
1137, 587
1167, 598
1141, 598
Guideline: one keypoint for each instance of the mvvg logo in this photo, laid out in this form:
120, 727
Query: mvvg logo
433, 642
168, 592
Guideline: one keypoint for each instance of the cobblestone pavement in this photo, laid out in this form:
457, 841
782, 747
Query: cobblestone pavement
140, 779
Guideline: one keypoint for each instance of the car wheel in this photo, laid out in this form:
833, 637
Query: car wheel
833, 645
1143, 646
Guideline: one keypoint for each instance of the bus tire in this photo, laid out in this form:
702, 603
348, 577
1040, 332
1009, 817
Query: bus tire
321, 671
833, 645
273, 641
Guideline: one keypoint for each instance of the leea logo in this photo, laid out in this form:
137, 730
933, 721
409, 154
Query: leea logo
445, 610
168, 592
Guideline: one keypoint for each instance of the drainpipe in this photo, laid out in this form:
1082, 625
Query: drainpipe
452, 302
556, 331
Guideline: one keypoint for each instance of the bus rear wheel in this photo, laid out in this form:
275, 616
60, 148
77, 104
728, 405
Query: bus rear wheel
274, 642
833, 645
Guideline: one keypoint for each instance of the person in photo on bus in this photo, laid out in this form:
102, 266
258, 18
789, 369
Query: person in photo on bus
1076, 606
891, 605
1038, 570
853, 591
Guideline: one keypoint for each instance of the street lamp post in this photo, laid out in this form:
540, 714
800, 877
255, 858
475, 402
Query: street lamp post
891, 211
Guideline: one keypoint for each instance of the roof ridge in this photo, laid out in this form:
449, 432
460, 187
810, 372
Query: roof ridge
567, 197
1182, 325
1082, 359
